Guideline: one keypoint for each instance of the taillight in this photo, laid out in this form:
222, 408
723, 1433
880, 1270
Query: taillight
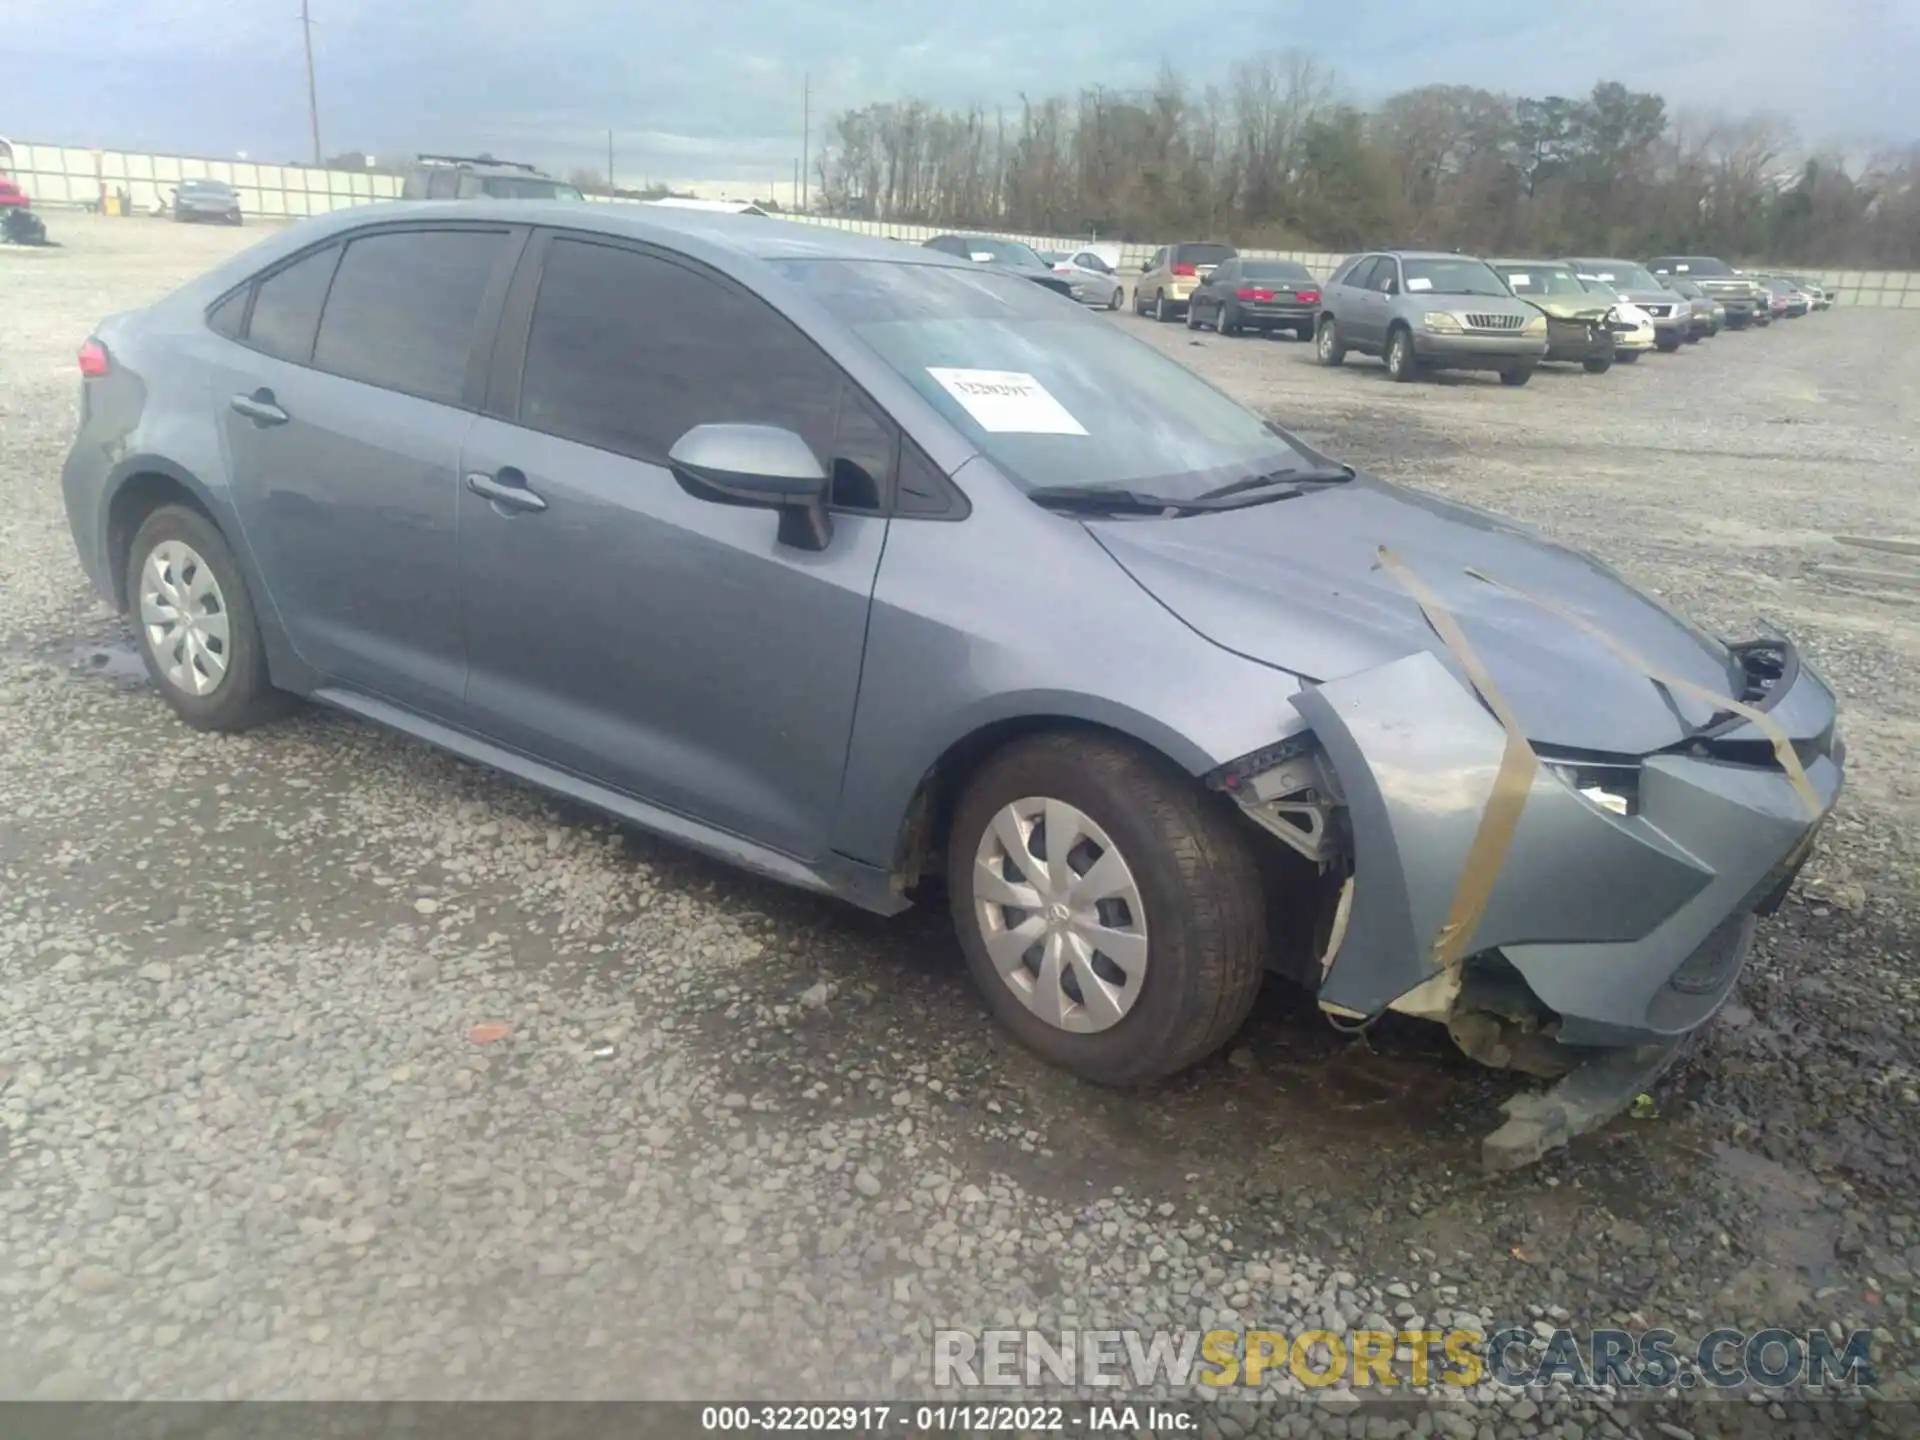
1184, 269
93, 360
1253, 295
1310, 297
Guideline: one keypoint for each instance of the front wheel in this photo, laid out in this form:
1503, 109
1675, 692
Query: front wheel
1401, 365
1597, 364
1328, 346
1517, 374
1111, 914
195, 623
1667, 344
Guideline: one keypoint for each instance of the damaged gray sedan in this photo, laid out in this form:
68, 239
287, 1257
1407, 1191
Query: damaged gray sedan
862, 567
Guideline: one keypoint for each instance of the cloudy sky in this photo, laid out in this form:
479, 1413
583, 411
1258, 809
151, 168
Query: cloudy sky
713, 91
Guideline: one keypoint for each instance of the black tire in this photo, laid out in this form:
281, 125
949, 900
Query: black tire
1113, 300
1597, 364
1197, 875
244, 696
1666, 345
1329, 348
1226, 324
1517, 375
1138, 308
1160, 311
1627, 357
1303, 332
1402, 365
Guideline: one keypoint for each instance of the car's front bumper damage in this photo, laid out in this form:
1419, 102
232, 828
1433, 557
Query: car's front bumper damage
1567, 916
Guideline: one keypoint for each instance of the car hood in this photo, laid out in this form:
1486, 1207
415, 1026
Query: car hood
1296, 584
1571, 307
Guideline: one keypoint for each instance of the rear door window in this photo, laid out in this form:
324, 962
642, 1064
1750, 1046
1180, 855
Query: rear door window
286, 309
404, 307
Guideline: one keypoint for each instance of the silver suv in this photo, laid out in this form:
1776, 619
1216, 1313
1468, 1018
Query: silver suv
1421, 310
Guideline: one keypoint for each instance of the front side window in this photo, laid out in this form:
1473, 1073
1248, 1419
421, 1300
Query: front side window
1052, 396
286, 311
403, 309
628, 352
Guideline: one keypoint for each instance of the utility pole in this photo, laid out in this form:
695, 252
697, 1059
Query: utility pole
313, 95
794, 198
610, 160
806, 133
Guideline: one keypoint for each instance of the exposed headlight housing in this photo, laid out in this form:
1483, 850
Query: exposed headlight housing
1441, 323
1536, 326
1607, 785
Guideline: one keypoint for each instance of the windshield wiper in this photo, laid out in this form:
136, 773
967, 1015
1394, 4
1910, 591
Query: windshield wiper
1103, 498
1327, 475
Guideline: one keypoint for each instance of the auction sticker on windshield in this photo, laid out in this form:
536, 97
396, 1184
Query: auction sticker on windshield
1007, 401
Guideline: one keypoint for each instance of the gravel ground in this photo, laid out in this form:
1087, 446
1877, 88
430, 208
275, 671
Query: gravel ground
334, 1067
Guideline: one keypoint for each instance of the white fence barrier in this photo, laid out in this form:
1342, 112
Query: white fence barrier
74, 175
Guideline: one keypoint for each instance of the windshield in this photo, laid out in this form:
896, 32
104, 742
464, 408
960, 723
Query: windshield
1691, 265
1002, 252
1274, 270
1620, 274
204, 187
1452, 277
1683, 287
512, 187
1052, 396
1541, 280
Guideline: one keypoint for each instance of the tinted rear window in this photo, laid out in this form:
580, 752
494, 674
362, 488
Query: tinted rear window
1274, 270
1203, 254
287, 309
403, 307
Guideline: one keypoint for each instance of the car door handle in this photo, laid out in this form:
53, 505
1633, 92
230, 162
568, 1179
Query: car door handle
260, 408
508, 488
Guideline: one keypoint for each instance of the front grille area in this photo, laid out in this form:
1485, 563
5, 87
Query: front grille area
1495, 322
1566, 332
1659, 312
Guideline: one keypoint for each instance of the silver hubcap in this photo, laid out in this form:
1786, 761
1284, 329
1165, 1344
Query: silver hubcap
185, 617
1326, 339
1061, 915
1399, 356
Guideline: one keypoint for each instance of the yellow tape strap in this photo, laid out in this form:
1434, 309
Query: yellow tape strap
1511, 782
1782, 744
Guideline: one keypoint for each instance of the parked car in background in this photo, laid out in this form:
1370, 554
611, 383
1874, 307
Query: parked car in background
1425, 310
12, 196
1632, 327
1789, 300
1739, 294
1009, 255
1265, 295
1816, 291
473, 177
1173, 273
1672, 315
1578, 319
206, 200
1093, 280
862, 569
1052, 257
1708, 314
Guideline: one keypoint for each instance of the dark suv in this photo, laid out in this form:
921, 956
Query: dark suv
1739, 294
463, 177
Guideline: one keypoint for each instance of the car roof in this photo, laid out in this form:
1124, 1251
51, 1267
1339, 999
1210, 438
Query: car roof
1511, 261
1426, 254
695, 231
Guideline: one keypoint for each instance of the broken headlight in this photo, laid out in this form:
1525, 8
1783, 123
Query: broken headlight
1610, 785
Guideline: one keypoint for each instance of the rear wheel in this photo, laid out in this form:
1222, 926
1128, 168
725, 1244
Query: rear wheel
1517, 374
195, 622
1597, 364
1112, 917
1628, 357
1303, 332
1401, 364
1328, 346
1667, 344
1161, 311
1113, 300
